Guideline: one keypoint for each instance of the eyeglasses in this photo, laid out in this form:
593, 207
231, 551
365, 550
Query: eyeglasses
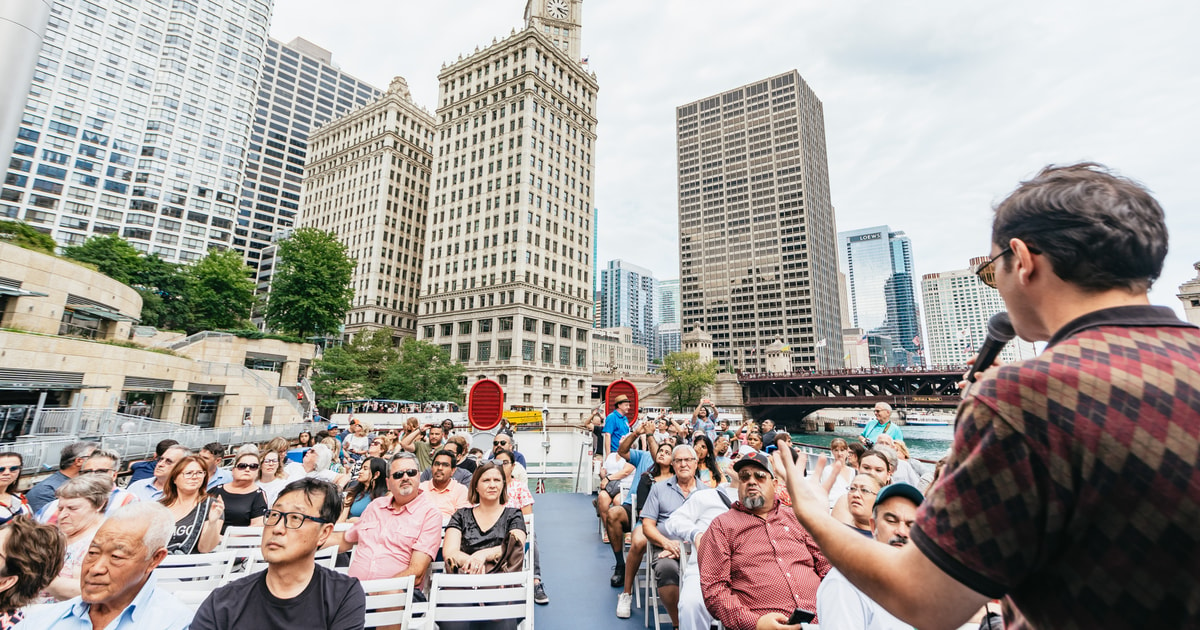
987, 270
94, 471
246, 466
863, 490
192, 474
500, 443
685, 459
165, 460
400, 474
269, 461
291, 520
759, 475
377, 442
16, 468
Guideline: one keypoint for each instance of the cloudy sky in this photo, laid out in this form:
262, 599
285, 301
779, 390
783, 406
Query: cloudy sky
933, 110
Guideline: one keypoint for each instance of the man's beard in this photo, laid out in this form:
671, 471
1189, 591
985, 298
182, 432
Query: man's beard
406, 490
754, 502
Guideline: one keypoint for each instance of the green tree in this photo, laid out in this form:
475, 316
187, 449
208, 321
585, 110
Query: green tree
112, 255
423, 372
24, 235
220, 292
354, 370
310, 288
163, 286
687, 378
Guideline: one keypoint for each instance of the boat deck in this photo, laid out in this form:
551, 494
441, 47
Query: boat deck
576, 567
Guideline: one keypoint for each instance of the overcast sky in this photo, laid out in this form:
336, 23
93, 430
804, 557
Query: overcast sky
934, 110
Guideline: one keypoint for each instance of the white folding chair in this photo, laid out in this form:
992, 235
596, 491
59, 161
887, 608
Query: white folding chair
652, 600
488, 597
194, 572
238, 538
389, 602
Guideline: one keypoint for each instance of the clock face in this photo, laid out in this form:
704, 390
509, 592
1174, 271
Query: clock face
557, 9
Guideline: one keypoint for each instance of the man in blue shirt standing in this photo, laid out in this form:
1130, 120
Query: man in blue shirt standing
616, 425
882, 424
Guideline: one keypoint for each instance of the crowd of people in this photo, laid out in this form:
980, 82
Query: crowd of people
463, 507
391, 406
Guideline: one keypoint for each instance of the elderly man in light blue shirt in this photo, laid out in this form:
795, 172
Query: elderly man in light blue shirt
118, 590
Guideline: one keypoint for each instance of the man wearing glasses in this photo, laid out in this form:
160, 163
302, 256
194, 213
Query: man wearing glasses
757, 564
399, 533
665, 497
1071, 483
152, 489
103, 463
504, 442
293, 592
881, 425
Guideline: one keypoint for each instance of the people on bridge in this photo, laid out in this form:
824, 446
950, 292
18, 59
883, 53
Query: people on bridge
881, 425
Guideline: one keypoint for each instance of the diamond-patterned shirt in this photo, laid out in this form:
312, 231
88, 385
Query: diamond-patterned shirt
1074, 482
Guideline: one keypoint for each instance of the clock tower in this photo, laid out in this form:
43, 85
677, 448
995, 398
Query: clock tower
560, 21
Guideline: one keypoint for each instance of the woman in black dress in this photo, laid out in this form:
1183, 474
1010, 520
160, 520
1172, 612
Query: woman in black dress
245, 502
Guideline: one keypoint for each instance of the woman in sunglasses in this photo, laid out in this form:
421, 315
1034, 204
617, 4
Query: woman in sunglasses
11, 502
245, 502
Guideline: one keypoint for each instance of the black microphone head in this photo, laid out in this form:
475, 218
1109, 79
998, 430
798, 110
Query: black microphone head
1000, 327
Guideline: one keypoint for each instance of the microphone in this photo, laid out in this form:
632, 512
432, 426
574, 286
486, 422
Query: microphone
999, 333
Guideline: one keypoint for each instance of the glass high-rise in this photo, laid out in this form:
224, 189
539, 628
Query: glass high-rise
667, 302
958, 306
758, 242
627, 299
138, 121
879, 283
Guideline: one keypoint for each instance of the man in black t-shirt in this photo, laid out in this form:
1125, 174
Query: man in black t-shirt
293, 592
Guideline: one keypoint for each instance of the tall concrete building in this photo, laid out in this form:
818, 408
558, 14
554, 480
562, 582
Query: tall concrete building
627, 299
137, 123
666, 302
758, 241
507, 287
1189, 294
957, 309
880, 287
301, 89
367, 180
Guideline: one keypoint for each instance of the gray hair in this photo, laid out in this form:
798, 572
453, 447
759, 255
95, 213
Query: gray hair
683, 448
179, 447
74, 451
107, 453
94, 488
324, 456
884, 405
893, 460
402, 455
160, 525
245, 448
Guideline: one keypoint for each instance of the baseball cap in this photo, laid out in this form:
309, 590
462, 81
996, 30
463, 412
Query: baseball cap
759, 459
900, 490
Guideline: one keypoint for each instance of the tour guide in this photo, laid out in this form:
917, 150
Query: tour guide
881, 425
616, 425
1073, 480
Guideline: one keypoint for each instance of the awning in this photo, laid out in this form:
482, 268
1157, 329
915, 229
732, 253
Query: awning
102, 313
9, 386
13, 292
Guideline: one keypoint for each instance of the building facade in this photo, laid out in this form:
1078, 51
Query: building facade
670, 339
666, 302
628, 298
615, 352
958, 306
137, 123
758, 241
508, 275
1189, 295
301, 89
367, 180
881, 293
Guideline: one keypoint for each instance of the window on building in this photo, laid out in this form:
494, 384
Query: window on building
547, 328
564, 358
464, 328
485, 325
528, 381
527, 349
547, 353
447, 330
484, 351
427, 332
504, 349
529, 324
464, 352
506, 323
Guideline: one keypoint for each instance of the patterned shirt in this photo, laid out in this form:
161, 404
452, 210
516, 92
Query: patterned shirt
751, 566
518, 495
1074, 479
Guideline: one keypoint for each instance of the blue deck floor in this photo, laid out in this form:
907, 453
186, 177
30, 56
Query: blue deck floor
575, 568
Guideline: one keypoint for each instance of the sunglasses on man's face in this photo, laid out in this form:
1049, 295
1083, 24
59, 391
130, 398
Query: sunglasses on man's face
400, 474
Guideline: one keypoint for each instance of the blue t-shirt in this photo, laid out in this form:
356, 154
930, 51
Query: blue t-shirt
617, 425
642, 461
873, 430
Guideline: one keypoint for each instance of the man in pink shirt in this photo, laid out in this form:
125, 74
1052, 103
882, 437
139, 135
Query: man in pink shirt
400, 533
445, 493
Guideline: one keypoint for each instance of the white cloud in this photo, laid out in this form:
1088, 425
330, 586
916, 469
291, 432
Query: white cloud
933, 110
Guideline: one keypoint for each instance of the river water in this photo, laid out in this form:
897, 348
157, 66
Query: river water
929, 443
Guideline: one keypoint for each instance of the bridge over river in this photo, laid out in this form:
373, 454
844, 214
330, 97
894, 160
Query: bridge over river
790, 397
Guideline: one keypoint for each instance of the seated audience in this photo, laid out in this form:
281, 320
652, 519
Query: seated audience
33, 556
442, 489
490, 537
145, 469
12, 503
616, 479
757, 564
415, 442
707, 471
399, 533
70, 460
666, 497
461, 475
855, 511
271, 475
304, 440
370, 484
504, 441
293, 592
118, 587
198, 518
103, 464
839, 603
81, 503
520, 498
688, 524
245, 503
212, 454
151, 489
621, 519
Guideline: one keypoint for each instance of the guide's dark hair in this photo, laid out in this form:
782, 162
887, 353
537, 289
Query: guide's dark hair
330, 498
1099, 230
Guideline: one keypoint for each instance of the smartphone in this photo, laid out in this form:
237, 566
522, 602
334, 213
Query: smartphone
801, 616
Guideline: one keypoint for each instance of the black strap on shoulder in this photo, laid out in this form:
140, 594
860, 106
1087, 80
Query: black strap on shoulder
725, 498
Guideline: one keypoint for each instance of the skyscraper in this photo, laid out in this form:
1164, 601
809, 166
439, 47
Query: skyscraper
627, 299
507, 286
367, 180
666, 302
137, 123
958, 306
758, 247
880, 287
301, 89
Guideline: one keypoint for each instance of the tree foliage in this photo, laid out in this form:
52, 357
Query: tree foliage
112, 256
220, 291
687, 378
371, 367
423, 372
310, 287
24, 235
